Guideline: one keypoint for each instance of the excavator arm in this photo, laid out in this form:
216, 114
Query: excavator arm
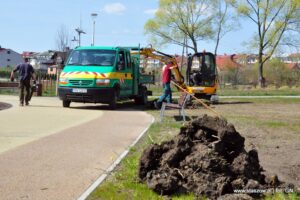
201, 76
164, 58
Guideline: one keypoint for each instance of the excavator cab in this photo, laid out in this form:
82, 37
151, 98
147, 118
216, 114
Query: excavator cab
201, 74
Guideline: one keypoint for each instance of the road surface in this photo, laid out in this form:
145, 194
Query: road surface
50, 152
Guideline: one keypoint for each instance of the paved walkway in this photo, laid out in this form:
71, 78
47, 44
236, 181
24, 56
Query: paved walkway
65, 151
46, 116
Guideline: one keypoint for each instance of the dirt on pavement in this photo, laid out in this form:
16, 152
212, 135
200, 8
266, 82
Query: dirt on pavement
207, 158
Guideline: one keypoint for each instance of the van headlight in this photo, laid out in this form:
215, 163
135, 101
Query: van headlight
101, 82
63, 81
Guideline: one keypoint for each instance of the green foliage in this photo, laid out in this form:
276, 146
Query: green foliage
176, 19
14, 91
50, 92
230, 75
281, 196
279, 74
274, 19
5, 72
246, 75
243, 9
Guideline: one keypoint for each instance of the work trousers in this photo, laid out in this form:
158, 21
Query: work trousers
167, 95
24, 85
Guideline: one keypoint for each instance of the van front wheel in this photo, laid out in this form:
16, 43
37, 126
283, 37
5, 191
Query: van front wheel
66, 104
113, 103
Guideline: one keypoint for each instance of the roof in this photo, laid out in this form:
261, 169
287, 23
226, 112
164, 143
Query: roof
27, 54
294, 55
292, 65
8, 50
227, 62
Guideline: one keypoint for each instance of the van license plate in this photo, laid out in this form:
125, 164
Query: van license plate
79, 90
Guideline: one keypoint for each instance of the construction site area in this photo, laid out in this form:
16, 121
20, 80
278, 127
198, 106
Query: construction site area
150, 100
201, 144
251, 154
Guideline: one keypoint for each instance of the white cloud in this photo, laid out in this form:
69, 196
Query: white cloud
114, 8
150, 11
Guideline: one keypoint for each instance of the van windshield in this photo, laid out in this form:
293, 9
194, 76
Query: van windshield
92, 57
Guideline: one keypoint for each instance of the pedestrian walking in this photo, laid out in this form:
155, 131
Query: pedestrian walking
26, 72
166, 80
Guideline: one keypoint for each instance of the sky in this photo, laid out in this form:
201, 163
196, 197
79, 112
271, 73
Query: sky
32, 25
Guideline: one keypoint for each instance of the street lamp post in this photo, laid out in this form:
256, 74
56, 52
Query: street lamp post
94, 16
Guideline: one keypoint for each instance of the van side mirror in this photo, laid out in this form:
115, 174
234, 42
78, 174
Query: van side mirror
60, 62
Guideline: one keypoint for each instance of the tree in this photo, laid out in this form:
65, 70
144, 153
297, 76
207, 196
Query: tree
176, 19
277, 72
273, 19
292, 39
223, 21
62, 39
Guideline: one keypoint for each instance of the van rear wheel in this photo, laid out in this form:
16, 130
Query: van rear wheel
142, 99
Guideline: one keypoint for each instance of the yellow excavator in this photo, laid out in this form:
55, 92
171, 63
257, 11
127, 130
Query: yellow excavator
201, 73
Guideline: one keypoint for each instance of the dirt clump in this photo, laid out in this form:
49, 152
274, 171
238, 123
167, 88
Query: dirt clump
206, 158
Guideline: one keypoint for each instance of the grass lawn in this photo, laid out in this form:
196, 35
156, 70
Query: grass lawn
49, 92
14, 91
251, 117
283, 91
270, 91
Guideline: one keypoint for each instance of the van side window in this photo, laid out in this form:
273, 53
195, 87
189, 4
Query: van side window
121, 61
128, 60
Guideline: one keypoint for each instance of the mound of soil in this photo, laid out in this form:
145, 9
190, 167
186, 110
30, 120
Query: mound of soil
206, 158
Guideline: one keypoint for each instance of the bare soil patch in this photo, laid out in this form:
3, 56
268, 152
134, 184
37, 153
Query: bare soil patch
206, 158
273, 128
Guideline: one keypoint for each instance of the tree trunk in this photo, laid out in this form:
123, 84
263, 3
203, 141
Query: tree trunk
218, 40
217, 45
261, 78
195, 45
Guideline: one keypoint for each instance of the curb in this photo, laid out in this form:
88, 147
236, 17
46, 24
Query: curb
99, 180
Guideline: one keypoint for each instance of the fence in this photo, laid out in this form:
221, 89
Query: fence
7, 87
48, 87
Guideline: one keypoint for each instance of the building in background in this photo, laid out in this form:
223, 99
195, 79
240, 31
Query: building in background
9, 58
225, 62
42, 61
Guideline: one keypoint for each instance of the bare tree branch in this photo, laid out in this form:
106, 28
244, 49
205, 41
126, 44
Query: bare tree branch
62, 38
